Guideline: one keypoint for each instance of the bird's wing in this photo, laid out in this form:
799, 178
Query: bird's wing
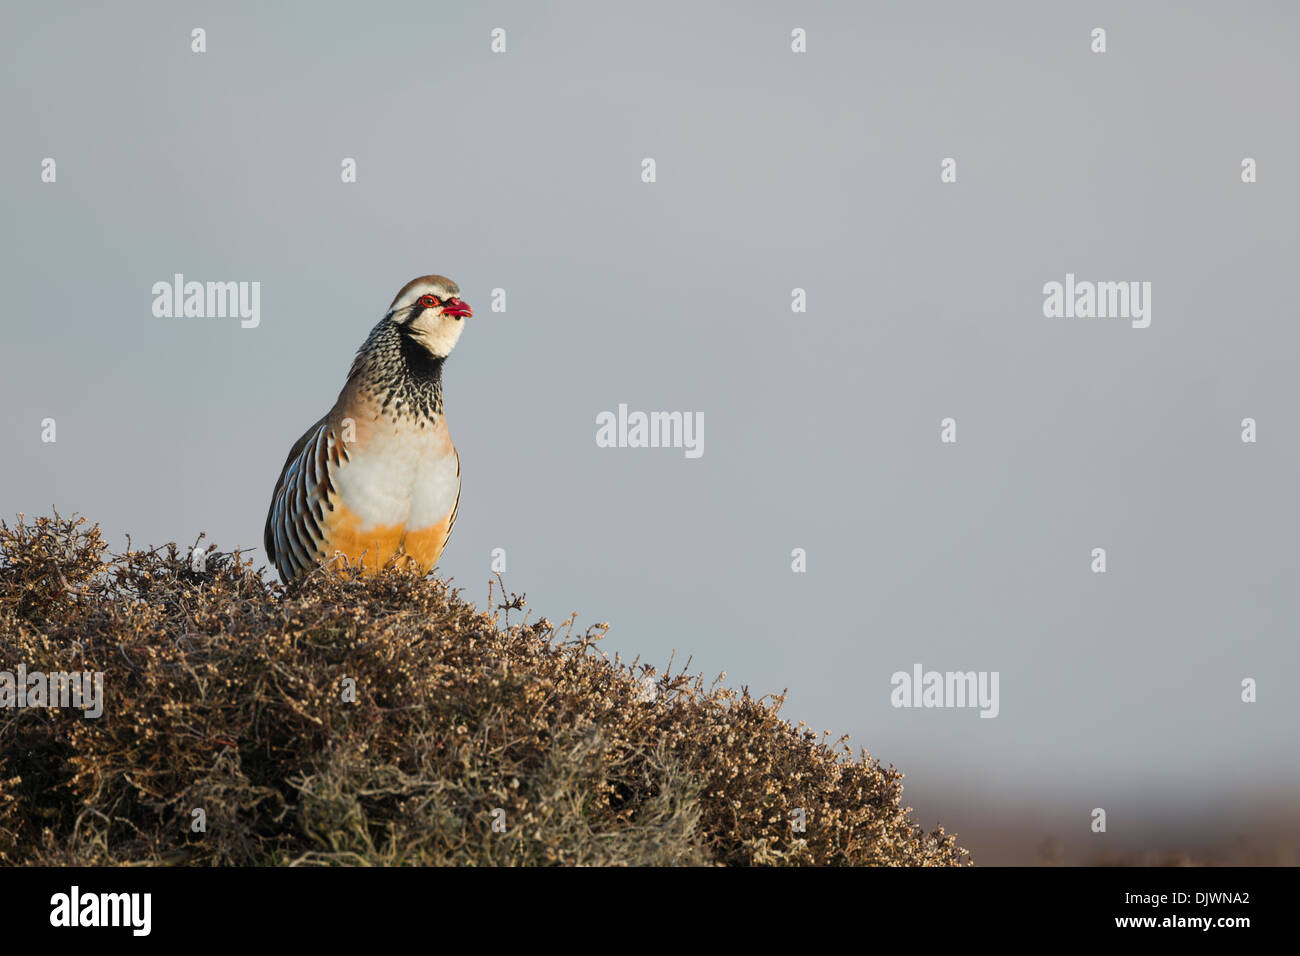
455, 509
304, 494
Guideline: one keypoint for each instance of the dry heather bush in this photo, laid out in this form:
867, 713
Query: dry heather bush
224, 692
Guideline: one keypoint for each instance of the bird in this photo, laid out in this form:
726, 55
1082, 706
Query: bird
377, 479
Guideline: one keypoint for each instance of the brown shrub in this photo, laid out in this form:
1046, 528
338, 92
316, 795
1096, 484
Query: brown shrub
225, 693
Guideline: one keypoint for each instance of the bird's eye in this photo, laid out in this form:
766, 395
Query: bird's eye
430, 301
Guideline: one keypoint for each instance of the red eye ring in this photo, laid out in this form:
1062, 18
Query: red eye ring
430, 301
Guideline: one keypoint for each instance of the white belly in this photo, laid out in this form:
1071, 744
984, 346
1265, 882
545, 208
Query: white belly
403, 476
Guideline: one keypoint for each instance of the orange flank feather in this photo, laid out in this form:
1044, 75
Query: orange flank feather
374, 548
425, 546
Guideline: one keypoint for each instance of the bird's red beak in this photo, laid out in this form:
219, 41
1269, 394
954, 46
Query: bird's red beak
457, 307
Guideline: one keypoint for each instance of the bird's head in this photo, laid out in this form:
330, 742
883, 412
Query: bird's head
430, 312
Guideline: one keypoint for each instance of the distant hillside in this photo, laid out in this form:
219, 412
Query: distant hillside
384, 721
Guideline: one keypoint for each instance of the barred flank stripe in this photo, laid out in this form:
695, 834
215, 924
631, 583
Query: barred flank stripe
294, 536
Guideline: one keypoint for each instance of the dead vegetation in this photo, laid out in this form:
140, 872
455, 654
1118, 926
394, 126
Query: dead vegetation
387, 722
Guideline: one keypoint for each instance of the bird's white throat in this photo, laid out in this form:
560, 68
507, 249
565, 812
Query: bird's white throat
436, 332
